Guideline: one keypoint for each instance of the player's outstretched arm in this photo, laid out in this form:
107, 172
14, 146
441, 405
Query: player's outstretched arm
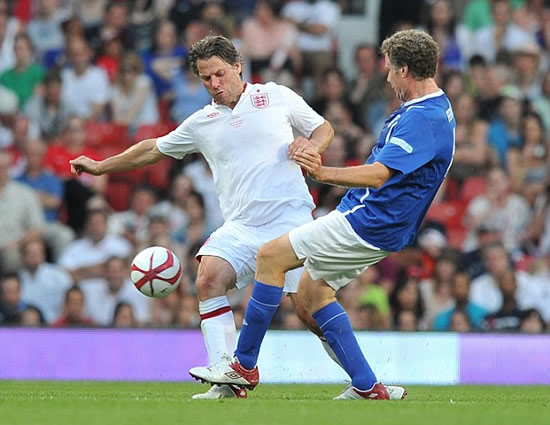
137, 156
368, 175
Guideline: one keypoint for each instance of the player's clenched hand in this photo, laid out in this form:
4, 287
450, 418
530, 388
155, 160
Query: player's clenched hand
310, 161
83, 164
299, 144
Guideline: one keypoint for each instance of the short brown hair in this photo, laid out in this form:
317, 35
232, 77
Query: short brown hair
415, 49
210, 46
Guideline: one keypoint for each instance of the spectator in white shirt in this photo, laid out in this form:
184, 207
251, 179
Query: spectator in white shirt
316, 22
43, 284
22, 216
85, 258
485, 290
133, 100
542, 277
506, 212
45, 29
103, 295
174, 208
85, 86
133, 223
502, 35
9, 27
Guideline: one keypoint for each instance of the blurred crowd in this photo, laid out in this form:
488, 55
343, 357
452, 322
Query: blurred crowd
94, 76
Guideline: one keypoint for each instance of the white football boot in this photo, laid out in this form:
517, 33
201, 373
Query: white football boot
377, 392
394, 393
221, 391
227, 371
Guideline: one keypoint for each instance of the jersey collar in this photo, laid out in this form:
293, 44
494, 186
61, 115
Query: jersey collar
423, 98
246, 88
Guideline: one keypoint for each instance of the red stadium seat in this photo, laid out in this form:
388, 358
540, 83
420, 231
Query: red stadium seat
101, 134
118, 194
472, 187
456, 236
154, 130
164, 110
106, 151
448, 213
129, 177
451, 189
158, 175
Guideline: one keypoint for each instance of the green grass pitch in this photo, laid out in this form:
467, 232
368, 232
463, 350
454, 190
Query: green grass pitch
136, 403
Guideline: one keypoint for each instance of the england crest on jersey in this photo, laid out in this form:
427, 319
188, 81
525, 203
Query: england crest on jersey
260, 100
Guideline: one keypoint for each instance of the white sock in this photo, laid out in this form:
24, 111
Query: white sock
218, 327
329, 351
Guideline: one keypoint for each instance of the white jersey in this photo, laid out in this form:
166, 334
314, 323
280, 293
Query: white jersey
247, 150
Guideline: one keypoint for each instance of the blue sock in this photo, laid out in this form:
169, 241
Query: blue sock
257, 318
337, 329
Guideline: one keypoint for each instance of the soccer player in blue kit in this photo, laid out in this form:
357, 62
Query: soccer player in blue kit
381, 213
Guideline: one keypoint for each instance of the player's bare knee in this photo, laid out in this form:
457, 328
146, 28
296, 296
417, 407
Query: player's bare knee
208, 286
316, 299
267, 255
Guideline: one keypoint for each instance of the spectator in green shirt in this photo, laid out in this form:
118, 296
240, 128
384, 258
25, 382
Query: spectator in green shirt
26, 76
477, 13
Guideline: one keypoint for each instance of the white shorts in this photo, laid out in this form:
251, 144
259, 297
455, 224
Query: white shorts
333, 251
238, 244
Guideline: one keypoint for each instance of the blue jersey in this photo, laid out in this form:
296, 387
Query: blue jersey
417, 142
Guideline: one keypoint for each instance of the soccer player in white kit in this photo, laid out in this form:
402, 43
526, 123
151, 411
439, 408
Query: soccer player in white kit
246, 136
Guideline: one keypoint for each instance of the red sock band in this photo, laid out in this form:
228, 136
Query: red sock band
215, 313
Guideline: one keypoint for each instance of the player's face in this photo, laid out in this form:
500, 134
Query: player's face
221, 80
396, 79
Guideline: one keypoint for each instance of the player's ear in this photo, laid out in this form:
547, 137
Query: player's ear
239, 68
404, 71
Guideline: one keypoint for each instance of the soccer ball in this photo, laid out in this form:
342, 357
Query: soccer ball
156, 271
